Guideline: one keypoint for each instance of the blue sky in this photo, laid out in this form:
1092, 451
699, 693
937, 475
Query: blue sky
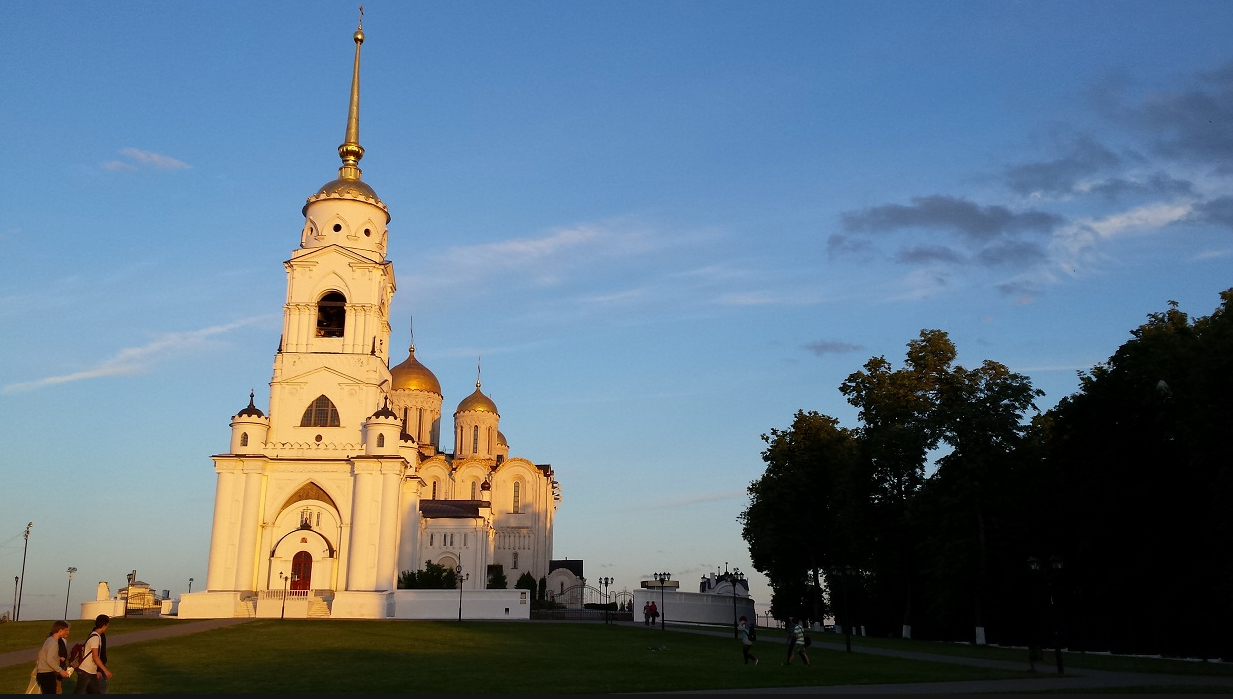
662, 227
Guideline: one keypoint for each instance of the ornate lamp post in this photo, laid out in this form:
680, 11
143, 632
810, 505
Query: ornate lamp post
22, 589
71, 570
461, 579
605, 582
663, 579
286, 587
1055, 568
847, 622
734, 577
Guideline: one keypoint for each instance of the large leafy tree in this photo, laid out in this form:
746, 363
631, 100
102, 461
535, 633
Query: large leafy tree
797, 508
1147, 470
898, 411
982, 419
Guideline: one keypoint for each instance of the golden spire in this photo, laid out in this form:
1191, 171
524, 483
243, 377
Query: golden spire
351, 151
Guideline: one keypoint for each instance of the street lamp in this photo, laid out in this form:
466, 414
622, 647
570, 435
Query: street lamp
71, 570
286, 589
461, 579
663, 579
1055, 567
734, 577
17, 607
847, 621
190, 584
605, 582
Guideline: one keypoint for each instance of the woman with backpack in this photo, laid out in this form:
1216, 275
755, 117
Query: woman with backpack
747, 638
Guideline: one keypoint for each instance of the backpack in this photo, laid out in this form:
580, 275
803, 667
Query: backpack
753, 633
76, 655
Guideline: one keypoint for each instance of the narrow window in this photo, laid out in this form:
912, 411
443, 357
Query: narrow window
517, 496
474, 440
318, 519
464, 541
244, 439
472, 490
451, 539
515, 560
434, 489
380, 441
419, 424
331, 315
320, 413
404, 422
430, 538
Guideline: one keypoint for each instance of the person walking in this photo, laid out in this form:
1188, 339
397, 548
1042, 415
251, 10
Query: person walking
92, 674
747, 639
646, 613
796, 641
51, 665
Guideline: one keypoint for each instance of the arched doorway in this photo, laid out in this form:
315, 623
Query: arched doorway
302, 571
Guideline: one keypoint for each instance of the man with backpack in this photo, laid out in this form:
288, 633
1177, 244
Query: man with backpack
92, 673
748, 636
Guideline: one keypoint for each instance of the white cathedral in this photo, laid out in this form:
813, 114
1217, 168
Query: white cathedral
343, 485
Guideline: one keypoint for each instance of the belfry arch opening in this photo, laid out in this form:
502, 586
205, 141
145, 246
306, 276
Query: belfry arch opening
332, 315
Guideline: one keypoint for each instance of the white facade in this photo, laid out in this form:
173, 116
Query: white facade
321, 502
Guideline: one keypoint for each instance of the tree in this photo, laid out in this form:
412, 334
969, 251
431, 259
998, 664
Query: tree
432, 577
496, 578
795, 512
899, 428
1147, 471
526, 581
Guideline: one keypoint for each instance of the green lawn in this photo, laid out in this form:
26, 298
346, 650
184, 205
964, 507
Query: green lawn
450, 657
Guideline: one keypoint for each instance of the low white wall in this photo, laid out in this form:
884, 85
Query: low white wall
476, 604
693, 607
207, 605
111, 607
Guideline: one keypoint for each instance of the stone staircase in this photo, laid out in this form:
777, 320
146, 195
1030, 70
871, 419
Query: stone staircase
318, 608
246, 609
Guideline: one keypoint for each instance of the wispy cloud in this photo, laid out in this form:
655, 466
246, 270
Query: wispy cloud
135, 360
137, 159
825, 347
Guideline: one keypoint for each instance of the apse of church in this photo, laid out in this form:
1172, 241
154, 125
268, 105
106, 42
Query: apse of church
342, 484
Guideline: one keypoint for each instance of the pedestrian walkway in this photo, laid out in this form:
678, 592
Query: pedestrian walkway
29, 655
1074, 679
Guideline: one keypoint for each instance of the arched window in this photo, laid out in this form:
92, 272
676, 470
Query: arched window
474, 440
515, 560
331, 315
243, 439
434, 489
380, 441
517, 497
320, 413
473, 484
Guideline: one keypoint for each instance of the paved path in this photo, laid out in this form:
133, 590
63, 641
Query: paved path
1047, 680
18, 657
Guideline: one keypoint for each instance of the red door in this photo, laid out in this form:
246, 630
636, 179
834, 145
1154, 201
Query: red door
302, 571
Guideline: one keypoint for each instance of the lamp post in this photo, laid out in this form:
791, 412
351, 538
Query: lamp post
190, 584
1055, 567
461, 579
15, 579
734, 577
71, 570
605, 582
17, 607
662, 578
847, 621
286, 588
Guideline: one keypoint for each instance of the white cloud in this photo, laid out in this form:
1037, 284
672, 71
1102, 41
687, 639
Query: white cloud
138, 158
134, 360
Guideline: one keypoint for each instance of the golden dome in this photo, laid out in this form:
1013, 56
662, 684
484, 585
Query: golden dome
501, 439
477, 402
413, 376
